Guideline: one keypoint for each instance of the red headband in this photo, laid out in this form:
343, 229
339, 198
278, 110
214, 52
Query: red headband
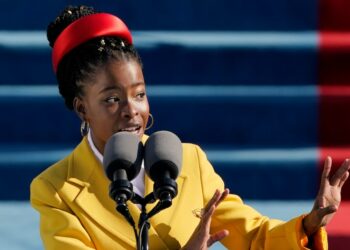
86, 28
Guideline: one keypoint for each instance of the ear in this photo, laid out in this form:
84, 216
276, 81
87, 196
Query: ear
79, 108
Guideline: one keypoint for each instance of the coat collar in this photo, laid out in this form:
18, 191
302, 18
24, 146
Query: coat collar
83, 154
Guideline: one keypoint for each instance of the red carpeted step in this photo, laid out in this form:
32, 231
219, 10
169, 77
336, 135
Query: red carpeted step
334, 15
334, 90
334, 122
334, 41
339, 228
333, 61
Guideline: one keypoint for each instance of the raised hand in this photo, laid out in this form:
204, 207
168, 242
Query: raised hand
329, 196
201, 238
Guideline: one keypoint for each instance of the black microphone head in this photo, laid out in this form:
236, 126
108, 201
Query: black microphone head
123, 150
163, 154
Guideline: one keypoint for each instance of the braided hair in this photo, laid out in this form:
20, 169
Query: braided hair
82, 62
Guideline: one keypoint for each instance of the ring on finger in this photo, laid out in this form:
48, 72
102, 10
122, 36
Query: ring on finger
198, 212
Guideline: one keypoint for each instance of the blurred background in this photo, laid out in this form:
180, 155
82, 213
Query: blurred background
261, 86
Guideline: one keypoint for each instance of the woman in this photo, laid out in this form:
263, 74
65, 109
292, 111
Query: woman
100, 77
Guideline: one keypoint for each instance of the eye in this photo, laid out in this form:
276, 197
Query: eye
112, 99
141, 95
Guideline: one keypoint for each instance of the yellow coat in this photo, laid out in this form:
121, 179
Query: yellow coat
77, 213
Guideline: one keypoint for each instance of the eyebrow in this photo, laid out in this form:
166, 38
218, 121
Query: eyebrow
108, 88
113, 87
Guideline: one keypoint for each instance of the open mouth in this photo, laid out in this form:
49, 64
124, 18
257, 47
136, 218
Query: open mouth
132, 129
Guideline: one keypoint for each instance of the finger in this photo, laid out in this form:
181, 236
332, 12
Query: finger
212, 201
206, 218
325, 173
343, 179
208, 214
217, 237
335, 180
222, 196
322, 212
327, 167
204, 225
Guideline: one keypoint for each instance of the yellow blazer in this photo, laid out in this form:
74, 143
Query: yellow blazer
77, 213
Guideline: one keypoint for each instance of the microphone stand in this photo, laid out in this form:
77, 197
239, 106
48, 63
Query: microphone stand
142, 239
164, 202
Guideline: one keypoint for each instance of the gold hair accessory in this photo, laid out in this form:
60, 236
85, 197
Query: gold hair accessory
103, 43
69, 12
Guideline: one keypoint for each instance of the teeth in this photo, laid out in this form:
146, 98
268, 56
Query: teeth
130, 129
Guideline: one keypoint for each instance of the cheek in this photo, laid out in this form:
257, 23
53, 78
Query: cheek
100, 113
101, 116
144, 110
103, 124
145, 106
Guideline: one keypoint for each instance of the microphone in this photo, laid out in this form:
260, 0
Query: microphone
122, 161
123, 151
163, 162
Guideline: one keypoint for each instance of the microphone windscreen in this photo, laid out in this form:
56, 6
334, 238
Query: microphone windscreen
123, 150
163, 153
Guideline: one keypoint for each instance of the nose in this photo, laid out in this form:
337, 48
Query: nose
129, 109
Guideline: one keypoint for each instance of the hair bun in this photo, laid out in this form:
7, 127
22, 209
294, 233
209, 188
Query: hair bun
67, 16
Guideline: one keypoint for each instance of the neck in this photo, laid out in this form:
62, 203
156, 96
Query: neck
98, 149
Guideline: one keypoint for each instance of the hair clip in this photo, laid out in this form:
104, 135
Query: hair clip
69, 12
102, 43
122, 44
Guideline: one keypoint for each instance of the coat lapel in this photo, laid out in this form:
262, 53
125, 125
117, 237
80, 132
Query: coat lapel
163, 222
93, 199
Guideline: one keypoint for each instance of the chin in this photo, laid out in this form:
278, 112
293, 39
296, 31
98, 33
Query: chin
141, 133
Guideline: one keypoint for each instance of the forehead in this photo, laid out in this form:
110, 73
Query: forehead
118, 75
123, 69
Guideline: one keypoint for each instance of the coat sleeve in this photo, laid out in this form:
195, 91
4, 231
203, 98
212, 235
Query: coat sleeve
248, 228
59, 227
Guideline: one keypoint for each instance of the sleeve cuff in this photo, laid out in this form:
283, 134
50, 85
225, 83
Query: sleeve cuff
318, 241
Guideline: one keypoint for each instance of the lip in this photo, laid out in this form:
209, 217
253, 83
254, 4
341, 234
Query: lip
131, 128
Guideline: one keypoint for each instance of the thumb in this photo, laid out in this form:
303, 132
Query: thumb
323, 211
217, 237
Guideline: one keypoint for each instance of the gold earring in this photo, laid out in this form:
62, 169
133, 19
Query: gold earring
152, 122
84, 128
